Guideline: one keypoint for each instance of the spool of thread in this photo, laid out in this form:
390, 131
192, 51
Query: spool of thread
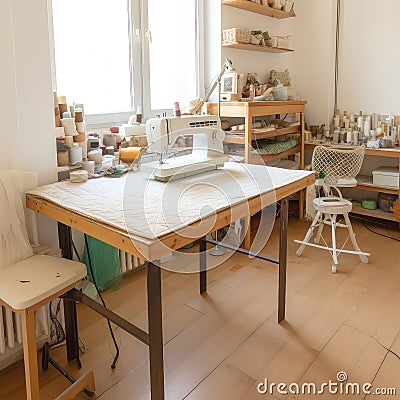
110, 150
69, 126
75, 155
349, 138
367, 126
56, 111
83, 146
342, 136
69, 141
62, 99
95, 155
63, 107
81, 137
355, 138
63, 159
78, 176
336, 136
360, 123
57, 119
88, 166
78, 116
80, 126
336, 122
177, 110
103, 150
80, 107
60, 132
110, 140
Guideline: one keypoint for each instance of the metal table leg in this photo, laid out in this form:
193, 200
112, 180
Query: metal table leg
203, 265
154, 309
71, 322
283, 240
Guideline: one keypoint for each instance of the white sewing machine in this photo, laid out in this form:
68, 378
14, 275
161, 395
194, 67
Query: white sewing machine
207, 154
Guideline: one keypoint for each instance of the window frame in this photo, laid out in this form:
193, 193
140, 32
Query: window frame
139, 65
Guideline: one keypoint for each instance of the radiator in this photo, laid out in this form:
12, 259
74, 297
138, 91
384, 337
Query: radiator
129, 262
11, 334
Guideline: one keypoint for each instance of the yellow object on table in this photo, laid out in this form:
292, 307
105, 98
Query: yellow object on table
130, 155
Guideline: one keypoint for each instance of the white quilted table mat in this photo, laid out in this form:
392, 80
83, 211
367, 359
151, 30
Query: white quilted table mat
150, 209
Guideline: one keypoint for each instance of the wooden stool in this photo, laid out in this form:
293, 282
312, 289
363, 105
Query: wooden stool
25, 287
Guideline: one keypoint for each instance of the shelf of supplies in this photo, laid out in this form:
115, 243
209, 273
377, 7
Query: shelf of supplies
270, 157
365, 182
259, 133
255, 47
258, 8
256, 158
357, 209
390, 153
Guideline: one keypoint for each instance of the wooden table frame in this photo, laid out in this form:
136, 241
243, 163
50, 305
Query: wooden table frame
153, 251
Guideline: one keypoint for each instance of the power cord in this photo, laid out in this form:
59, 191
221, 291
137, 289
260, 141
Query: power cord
114, 363
76, 251
377, 341
378, 233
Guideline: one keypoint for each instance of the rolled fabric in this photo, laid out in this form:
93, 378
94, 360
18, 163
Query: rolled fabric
95, 155
80, 126
63, 107
78, 176
69, 126
69, 141
62, 99
81, 137
78, 115
60, 133
129, 154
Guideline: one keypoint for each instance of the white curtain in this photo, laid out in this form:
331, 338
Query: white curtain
14, 242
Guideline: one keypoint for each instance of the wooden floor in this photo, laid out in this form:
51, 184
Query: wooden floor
222, 345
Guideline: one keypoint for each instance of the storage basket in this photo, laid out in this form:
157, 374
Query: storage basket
282, 42
236, 35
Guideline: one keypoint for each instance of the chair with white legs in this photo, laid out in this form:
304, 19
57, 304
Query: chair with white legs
335, 168
28, 282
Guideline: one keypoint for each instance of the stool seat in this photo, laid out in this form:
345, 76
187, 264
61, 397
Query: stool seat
332, 205
37, 278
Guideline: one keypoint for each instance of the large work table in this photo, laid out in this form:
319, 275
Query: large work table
150, 219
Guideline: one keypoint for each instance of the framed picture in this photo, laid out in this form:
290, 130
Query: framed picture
229, 83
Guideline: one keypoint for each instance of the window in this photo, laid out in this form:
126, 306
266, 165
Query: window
116, 55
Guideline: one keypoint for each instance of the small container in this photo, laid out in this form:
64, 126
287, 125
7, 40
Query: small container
386, 176
63, 159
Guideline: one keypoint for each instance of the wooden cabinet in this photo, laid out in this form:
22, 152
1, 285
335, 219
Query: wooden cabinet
250, 110
365, 182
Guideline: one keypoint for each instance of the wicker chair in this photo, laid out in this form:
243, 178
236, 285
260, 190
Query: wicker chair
335, 168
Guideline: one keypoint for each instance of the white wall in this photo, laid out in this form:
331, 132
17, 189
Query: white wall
27, 136
314, 59
9, 135
370, 57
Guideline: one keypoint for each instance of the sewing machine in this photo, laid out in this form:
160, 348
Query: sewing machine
207, 154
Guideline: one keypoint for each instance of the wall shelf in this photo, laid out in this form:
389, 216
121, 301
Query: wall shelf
256, 47
258, 8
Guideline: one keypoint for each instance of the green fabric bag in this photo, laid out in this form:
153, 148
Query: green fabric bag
105, 262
